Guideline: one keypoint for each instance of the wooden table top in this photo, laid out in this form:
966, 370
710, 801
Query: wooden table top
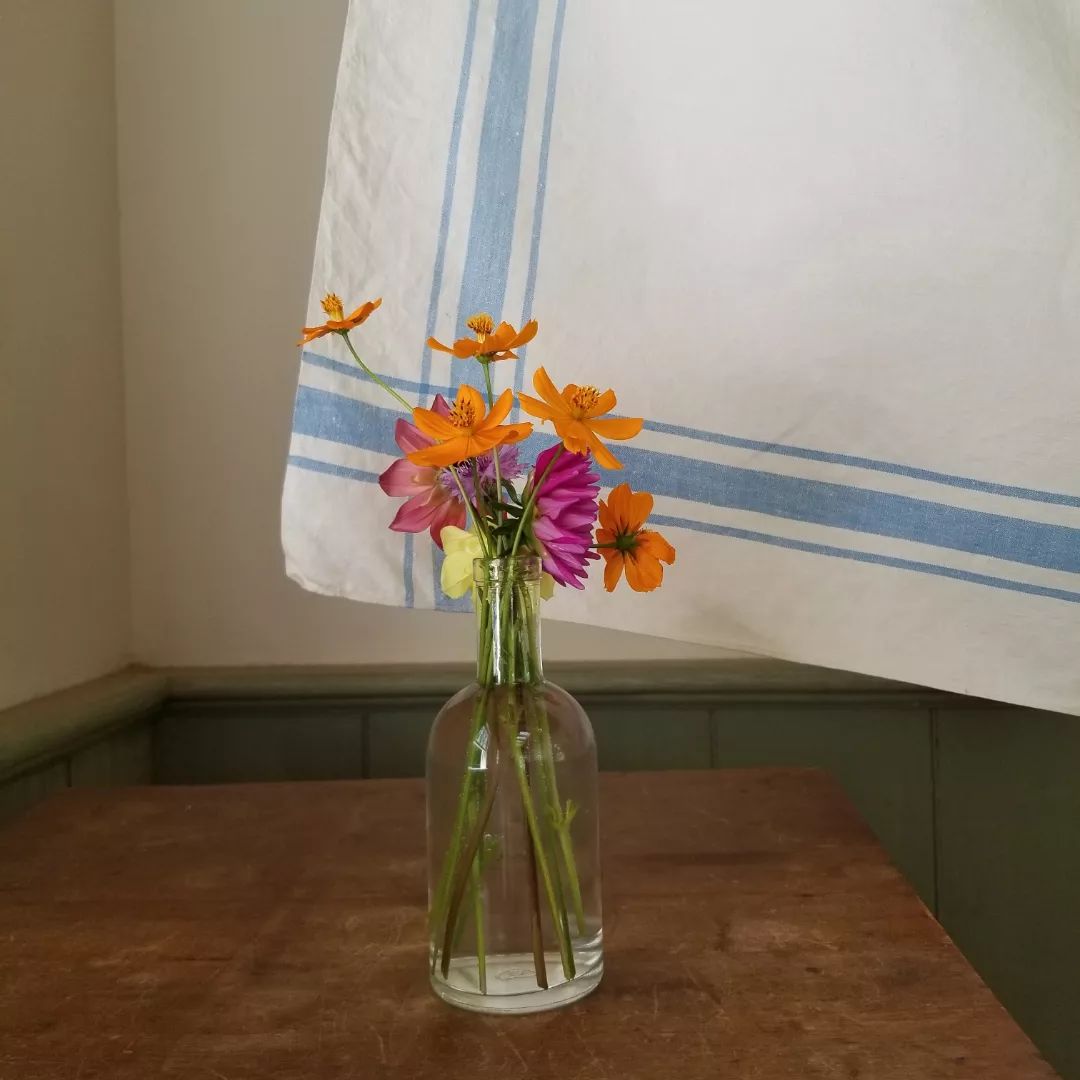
753, 929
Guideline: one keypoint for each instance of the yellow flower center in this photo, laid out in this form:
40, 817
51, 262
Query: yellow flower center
333, 307
481, 325
463, 414
584, 398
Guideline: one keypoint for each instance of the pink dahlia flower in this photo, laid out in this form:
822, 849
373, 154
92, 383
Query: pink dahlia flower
430, 503
564, 514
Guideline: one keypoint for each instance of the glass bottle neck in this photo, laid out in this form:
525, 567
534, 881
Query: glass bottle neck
508, 622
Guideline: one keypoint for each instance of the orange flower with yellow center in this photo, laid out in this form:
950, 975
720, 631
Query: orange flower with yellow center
578, 415
626, 545
491, 342
338, 322
468, 431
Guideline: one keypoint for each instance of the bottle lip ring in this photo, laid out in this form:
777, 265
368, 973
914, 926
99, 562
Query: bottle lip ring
521, 568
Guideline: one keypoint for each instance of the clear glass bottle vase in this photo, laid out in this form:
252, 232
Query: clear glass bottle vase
513, 851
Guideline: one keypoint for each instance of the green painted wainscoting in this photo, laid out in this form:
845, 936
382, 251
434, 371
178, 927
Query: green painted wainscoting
976, 802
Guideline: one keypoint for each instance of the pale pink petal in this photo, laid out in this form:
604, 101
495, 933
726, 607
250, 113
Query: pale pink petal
405, 478
409, 437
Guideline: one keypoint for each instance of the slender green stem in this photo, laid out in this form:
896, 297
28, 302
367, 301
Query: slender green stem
481, 528
373, 377
469, 781
477, 888
460, 882
550, 785
495, 450
565, 951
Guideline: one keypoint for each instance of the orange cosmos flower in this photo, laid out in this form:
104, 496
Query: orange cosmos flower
491, 342
577, 412
338, 322
468, 431
625, 544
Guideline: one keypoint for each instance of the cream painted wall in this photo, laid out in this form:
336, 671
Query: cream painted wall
64, 544
223, 111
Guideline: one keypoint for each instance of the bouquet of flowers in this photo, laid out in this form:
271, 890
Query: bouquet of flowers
511, 532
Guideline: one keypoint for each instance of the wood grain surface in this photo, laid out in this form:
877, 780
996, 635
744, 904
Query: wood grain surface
754, 929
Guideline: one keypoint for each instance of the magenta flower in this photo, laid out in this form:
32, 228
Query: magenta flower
564, 514
430, 504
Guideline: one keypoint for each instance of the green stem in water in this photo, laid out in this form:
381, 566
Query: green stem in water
470, 780
520, 771
373, 377
478, 919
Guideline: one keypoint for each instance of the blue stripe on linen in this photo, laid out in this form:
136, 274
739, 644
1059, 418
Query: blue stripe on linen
850, 460
1052, 547
541, 189
1032, 494
498, 172
498, 169
314, 465
866, 557
449, 181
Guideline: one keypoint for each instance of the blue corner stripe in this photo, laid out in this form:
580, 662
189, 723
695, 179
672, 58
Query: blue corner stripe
449, 182
850, 460
1031, 494
498, 167
541, 189
866, 557
1052, 547
315, 465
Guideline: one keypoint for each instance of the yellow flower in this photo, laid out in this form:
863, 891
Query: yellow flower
460, 548
547, 586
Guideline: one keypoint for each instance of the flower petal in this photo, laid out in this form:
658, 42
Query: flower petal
465, 347
442, 454
604, 457
604, 404
363, 311
617, 428
543, 385
652, 543
452, 514
613, 568
500, 409
406, 478
640, 505
511, 433
438, 346
434, 425
409, 437
415, 515
643, 572
575, 436
537, 408
468, 397
524, 335
312, 332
